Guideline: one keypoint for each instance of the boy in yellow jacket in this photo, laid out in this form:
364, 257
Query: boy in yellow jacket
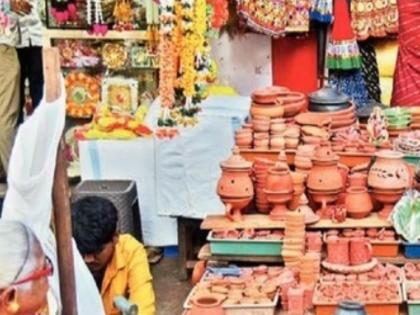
118, 262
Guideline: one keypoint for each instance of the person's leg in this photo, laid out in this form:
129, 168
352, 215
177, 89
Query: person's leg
24, 62
35, 75
9, 102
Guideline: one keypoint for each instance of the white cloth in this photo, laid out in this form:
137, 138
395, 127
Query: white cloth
175, 177
29, 195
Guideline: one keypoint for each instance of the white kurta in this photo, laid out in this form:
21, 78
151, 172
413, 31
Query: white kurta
29, 195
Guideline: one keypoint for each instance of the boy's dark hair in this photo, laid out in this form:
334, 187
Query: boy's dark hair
94, 222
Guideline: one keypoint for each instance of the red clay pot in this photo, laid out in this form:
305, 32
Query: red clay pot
360, 251
207, 305
358, 202
279, 179
338, 250
358, 180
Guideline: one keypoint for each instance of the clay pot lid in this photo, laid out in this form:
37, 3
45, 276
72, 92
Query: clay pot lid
236, 161
389, 154
328, 96
324, 153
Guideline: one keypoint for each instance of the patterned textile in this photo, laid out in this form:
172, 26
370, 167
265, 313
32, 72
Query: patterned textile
370, 70
9, 34
407, 73
351, 83
31, 27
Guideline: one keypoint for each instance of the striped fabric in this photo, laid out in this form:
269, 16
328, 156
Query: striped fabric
407, 73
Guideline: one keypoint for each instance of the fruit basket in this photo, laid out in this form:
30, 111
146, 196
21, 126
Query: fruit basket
245, 247
386, 305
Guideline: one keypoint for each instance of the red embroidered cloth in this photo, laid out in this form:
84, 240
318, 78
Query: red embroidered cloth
407, 73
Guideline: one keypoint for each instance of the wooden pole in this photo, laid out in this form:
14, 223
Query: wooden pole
61, 195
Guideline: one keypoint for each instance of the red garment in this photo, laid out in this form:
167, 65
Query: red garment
407, 72
294, 63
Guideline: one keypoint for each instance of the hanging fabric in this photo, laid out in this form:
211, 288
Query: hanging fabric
407, 73
321, 11
370, 70
343, 51
351, 83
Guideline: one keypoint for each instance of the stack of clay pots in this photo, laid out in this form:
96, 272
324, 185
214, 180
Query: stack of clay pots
294, 239
260, 173
296, 301
292, 102
314, 135
264, 102
298, 180
277, 128
244, 137
389, 177
303, 158
307, 270
261, 128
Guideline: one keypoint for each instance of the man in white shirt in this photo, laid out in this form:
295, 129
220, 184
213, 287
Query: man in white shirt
9, 76
30, 57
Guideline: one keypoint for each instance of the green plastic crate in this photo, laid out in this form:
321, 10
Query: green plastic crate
245, 247
413, 306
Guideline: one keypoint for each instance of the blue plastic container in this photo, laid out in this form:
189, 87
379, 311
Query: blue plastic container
412, 250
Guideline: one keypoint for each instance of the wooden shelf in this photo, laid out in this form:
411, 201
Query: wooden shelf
205, 254
399, 260
346, 158
49, 34
261, 221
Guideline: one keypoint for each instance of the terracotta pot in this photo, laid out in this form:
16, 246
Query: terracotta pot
389, 171
324, 198
358, 180
358, 202
388, 198
235, 186
360, 251
279, 179
271, 111
261, 136
278, 199
261, 125
277, 142
338, 250
303, 162
278, 128
207, 305
325, 175
292, 143
261, 143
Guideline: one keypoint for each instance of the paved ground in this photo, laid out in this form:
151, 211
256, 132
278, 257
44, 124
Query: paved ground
170, 292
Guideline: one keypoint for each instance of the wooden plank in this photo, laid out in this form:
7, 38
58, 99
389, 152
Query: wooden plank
346, 158
399, 260
261, 221
205, 254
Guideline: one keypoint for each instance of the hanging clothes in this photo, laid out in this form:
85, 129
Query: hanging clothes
370, 70
350, 82
321, 11
406, 90
343, 51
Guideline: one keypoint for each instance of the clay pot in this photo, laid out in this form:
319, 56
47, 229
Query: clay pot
325, 175
338, 250
358, 202
292, 143
358, 180
235, 186
210, 304
260, 125
272, 111
277, 142
388, 198
279, 178
360, 251
389, 171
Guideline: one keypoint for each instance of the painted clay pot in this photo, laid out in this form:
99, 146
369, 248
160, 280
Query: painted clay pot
210, 304
358, 180
338, 250
235, 186
350, 308
325, 175
358, 202
360, 251
279, 178
389, 171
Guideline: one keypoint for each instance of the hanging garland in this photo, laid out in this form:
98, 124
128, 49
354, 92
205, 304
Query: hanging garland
185, 61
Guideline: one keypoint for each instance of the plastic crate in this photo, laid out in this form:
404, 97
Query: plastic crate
244, 247
413, 306
412, 250
385, 249
123, 194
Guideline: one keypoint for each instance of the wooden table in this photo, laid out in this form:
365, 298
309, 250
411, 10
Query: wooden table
261, 221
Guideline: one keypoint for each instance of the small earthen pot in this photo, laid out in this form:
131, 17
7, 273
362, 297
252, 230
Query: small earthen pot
360, 251
358, 180
279, 178
358, 202
209, 304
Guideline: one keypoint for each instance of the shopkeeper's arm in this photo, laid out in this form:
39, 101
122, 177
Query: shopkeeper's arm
140, 283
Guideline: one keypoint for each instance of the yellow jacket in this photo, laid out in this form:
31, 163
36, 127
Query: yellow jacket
128, 275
